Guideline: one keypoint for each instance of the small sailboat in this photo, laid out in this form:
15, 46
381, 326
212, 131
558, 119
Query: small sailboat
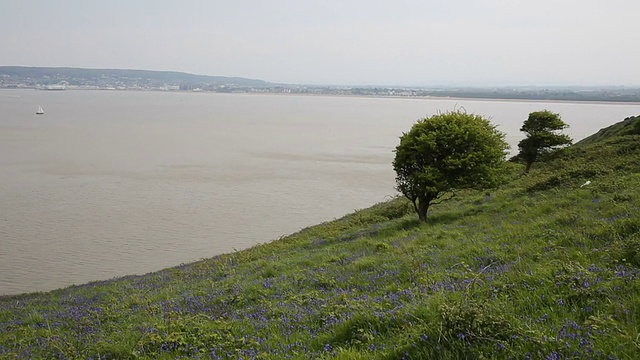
40, 111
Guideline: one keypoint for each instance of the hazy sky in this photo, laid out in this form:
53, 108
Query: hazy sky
357, 42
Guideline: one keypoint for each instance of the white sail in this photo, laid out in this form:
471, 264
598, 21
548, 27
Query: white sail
40, 111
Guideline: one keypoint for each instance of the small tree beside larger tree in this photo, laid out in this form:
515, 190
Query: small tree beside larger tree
447, 152
543, 137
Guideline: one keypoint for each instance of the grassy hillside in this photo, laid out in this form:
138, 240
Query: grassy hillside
541, 268
628, 126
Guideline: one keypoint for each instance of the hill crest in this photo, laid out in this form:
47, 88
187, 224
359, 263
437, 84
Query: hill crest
48, 75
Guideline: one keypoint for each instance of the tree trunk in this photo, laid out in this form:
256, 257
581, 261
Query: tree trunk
423, 208
526, 170
530, 159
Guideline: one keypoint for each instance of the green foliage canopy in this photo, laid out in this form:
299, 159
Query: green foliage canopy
447, 152
542, 136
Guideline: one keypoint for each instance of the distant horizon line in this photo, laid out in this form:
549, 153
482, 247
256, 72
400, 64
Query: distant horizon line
277, 83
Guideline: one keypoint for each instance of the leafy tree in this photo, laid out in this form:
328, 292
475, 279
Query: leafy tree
444, 153
542, 129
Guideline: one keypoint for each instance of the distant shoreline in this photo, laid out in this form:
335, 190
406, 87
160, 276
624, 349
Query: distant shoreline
59, 78
456, 98
364, 96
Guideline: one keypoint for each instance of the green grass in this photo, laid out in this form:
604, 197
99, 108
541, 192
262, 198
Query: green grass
628, 126
540, 268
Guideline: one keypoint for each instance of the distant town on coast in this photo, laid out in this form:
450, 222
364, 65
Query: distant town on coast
65, 78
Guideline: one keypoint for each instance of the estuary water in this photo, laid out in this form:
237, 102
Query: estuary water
111, 183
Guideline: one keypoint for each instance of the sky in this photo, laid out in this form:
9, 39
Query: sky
329, 42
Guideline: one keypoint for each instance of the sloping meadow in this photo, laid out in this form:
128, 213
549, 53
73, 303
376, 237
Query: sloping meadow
544, 267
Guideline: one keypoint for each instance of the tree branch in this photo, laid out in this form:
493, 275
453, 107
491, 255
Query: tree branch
452, 194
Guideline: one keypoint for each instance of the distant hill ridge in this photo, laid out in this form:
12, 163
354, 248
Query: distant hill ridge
161, 76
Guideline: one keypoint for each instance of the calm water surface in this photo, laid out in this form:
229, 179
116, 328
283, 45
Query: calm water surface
113, 183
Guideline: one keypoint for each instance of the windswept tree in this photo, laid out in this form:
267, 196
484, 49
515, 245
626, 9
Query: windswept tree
543, 136
447, 152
